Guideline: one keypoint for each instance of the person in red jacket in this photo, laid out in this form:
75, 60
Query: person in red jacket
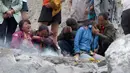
22, 36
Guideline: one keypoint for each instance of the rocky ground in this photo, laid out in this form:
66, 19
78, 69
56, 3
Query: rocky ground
15, 61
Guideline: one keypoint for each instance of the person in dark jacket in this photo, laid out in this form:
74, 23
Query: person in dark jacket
107, 33
66, 37
41, 39
125, 22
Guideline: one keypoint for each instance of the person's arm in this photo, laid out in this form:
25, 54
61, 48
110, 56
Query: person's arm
102, 36
3, 8
78, 37
95, 42
17, 7
90, 7
37, 38
109, 35
15, 43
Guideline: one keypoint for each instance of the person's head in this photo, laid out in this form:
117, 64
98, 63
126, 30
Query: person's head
67, 29
102, 18
87, 23
72, 23
43, 31
25, 26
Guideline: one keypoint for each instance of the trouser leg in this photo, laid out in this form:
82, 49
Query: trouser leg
12, 25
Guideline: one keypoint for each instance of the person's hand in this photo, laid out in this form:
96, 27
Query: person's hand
95, 50
86, 12
37, 37
48, 5
76, 57
91, 8
10, 12
95, 31
67, 29
5, 16
92, 53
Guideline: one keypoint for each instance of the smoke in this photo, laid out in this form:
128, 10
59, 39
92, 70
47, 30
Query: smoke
25, 48
49, 52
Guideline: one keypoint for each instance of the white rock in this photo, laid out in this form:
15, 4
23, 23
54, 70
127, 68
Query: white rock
118, 56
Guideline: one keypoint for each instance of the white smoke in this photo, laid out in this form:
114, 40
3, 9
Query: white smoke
49, 52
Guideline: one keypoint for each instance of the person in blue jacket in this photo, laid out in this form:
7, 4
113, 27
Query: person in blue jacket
86, 41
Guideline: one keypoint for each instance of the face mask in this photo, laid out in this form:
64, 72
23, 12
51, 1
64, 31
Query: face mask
89, 26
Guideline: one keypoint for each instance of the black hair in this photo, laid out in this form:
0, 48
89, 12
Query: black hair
21, 23
43, 27
71, 22
105, 15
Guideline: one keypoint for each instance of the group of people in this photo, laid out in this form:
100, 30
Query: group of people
87, 38
14, 13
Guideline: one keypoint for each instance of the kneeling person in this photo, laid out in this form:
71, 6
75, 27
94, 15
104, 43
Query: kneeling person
22, 38
41, 38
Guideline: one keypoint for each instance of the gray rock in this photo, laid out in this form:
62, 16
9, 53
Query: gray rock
118, 56
32, 63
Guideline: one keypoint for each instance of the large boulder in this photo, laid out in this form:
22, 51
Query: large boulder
118, 56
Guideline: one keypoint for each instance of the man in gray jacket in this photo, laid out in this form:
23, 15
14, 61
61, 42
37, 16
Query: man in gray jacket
9, 17
107, 33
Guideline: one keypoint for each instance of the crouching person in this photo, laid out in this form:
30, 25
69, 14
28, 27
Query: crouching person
66, 37
107, 33
42, 40
66, 41
22, 38
83, 43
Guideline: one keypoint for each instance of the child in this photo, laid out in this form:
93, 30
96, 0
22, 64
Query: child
41, 38
84, 41
22, 36
24, 10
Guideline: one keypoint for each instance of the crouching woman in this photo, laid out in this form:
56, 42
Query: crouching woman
22, 38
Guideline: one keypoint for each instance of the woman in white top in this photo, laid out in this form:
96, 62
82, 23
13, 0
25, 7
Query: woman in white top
125, 22
24, 10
